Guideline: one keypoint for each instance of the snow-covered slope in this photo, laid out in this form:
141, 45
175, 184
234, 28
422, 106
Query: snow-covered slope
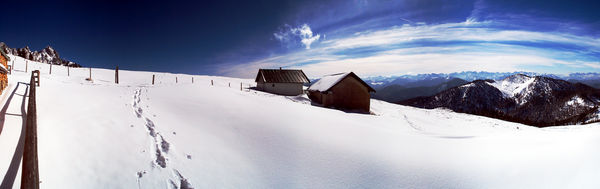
176, 135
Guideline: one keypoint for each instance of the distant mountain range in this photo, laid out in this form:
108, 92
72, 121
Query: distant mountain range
46, 55
396, 93
399, 88
533, 100
592, 79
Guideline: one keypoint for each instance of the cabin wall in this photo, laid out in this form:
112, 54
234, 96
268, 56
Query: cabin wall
290, 89
316, 96
349, 94
3, 76
260, 85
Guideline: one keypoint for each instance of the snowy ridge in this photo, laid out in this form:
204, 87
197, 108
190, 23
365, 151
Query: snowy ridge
513, 85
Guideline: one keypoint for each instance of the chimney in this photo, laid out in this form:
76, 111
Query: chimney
279, 68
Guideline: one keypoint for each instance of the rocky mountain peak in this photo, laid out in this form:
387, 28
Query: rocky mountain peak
47, 55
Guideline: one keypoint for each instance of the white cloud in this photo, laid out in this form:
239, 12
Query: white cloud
390, 52
455, 32
390, 63
302, 32
593, 64
470, 20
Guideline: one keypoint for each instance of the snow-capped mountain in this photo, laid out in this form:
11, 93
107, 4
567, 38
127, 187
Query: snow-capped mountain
533, 100
380, 81
46, 55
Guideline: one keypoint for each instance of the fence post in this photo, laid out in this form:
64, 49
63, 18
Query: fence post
30, 173
240, 86
50, 69
26, 65
68, 71
229, 84
175, 79
13, 65
36, 77
117, 75
192, 79
152, 79
211, 82
90, 73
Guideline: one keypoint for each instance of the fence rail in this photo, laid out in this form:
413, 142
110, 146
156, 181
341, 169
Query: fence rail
30, 173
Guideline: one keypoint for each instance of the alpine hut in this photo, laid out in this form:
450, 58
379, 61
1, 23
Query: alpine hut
343, 90
3, 71
281, 81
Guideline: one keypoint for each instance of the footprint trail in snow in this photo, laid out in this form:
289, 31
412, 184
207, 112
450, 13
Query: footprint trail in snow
159, 146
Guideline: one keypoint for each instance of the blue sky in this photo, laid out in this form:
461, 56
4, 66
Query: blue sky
371, 38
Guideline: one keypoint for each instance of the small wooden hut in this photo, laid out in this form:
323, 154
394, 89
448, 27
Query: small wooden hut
344, 91
281, 81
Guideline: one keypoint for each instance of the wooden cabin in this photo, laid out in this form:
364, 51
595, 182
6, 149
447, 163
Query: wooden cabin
343, 91
281, 81
3, 71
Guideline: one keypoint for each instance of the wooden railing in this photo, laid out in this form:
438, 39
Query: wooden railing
30, 173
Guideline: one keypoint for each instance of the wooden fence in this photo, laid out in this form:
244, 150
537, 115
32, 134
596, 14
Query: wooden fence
30, 173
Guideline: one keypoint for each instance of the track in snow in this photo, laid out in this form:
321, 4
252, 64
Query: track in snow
159, 146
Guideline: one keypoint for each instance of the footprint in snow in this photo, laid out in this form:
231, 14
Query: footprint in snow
138, 112
184, 183
164, 145
160, 159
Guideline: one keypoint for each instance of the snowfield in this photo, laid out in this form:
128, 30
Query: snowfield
100, 134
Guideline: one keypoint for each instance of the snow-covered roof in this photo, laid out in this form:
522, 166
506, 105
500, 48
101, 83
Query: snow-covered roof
326, 82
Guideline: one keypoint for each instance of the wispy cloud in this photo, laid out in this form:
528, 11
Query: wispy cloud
289, 34
592, 64
466, 46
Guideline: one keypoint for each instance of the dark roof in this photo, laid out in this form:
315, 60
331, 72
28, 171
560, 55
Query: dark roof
281, 76
327, 82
